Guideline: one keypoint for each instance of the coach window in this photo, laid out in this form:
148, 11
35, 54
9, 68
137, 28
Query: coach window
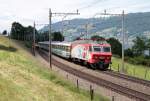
66, 48
60, 47
63, 47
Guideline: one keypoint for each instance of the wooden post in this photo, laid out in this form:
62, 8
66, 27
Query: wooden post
91, 93
77, 84
110, 67
113, 98
118, 68
146, 73
126, 69
134, 72
67, 76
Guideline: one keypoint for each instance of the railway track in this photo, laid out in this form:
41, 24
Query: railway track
100, 82
127, 77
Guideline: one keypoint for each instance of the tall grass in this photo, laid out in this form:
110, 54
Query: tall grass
23, 78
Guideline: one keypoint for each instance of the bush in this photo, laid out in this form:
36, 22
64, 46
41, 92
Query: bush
28, 44
128, 52
140, 60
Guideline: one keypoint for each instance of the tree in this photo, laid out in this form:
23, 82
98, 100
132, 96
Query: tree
20, 32
128, 52
4, 32
57, 36
139, 46
115, 46
148, 45
28, 32
17, 31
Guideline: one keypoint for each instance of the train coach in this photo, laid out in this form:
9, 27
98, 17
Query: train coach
94, 54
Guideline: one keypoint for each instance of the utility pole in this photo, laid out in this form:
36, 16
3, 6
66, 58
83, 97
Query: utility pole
63, 25
50, 39
86, 30
123, 39
123, 34
34, 39
50, 24
9, 39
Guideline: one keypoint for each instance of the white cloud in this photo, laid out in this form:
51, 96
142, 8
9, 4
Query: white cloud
27, 11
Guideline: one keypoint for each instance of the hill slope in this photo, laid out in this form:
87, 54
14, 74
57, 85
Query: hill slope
23, 78
136, 24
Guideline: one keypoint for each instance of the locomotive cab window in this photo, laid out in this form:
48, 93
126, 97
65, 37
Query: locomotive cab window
96, 48
106, 49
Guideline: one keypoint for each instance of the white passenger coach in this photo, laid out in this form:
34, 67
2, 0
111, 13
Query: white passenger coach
59, 48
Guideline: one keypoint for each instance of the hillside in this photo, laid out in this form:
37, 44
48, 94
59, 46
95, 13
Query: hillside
24, 78
136, 24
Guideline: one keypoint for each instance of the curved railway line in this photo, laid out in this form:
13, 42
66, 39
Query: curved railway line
133, 94
127, 77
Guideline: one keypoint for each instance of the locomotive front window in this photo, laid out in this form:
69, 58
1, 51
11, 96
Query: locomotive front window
96, 48
106, 49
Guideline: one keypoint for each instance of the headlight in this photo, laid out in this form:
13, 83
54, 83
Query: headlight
101, 57
96, 57
108, 58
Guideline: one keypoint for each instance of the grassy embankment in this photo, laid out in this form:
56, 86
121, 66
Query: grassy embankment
133, 70
23, 78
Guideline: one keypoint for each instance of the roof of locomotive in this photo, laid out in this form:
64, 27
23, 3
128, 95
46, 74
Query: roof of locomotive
95, 42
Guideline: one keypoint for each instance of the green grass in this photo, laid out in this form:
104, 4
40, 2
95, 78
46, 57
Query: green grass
23, 78
130, 69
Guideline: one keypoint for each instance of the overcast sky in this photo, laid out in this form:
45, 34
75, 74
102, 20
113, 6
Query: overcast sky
28, 11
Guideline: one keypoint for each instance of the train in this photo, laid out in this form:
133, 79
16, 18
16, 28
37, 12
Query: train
94, 54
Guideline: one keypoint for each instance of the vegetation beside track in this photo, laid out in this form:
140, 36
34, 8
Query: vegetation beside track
23, 78
139, 71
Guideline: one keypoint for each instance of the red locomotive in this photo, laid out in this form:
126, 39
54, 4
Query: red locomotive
93, 53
